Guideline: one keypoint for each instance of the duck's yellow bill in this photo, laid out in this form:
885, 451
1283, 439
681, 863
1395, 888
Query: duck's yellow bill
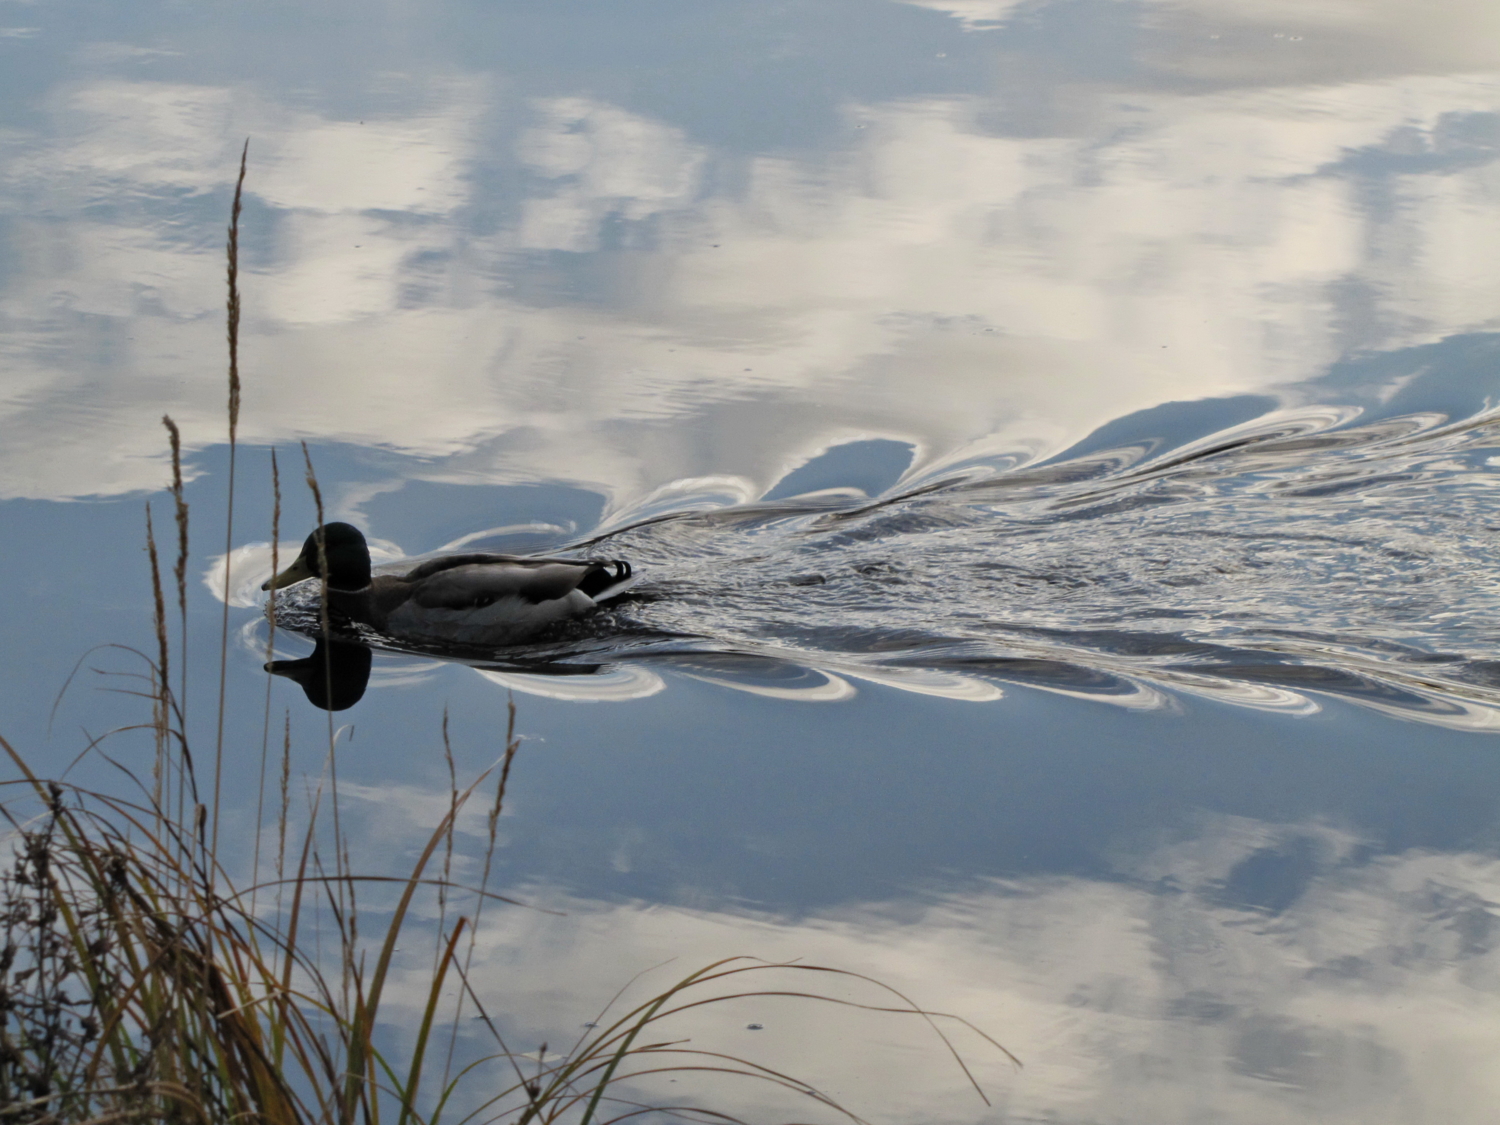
294, 573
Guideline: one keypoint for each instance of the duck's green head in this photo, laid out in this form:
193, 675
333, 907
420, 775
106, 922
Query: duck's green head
347, 554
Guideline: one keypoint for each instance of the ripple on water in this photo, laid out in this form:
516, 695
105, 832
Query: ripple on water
1288, 558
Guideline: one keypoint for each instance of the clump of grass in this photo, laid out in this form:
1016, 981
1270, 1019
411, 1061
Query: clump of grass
140, 981
122, 984
137, 982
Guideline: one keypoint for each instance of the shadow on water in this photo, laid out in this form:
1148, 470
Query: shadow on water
1296, 553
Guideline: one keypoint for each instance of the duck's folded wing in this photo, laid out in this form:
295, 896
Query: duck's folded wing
484, 558
476, 585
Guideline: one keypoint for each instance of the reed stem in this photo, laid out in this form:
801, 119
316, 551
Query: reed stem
232, 331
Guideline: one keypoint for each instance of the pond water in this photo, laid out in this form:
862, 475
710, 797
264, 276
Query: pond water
1057, 440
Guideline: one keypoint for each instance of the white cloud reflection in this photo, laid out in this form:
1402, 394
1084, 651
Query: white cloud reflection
933, 282
1285, 40
610, 162
1358, 990
973, 13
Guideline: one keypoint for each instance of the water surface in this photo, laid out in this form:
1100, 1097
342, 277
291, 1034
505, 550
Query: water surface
1057, 438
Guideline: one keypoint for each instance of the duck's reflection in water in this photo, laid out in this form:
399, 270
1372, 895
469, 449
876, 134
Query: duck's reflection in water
337, 672
334, 677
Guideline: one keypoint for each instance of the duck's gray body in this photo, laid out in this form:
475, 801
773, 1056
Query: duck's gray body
499, 599
471, 598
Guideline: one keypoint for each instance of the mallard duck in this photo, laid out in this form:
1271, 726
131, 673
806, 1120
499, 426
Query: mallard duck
473, 598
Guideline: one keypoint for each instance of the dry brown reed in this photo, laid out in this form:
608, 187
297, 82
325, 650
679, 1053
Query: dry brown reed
232, 332
179, 569
265, 733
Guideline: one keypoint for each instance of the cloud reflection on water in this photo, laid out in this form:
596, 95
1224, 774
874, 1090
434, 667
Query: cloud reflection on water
935, 280
1242, 971
516, 282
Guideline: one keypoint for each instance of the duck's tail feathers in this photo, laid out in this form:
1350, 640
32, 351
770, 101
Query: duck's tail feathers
608, 578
